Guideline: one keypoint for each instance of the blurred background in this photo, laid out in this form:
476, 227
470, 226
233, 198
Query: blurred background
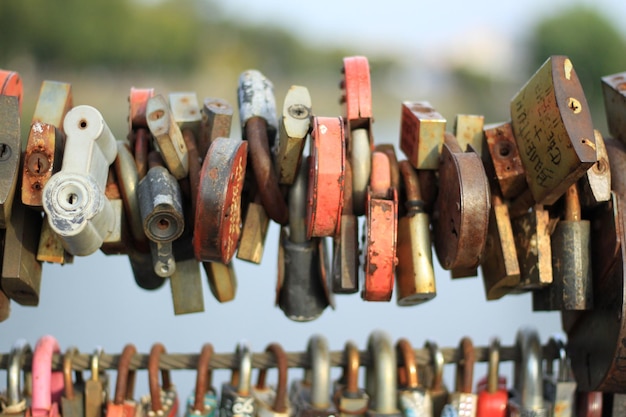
462, 57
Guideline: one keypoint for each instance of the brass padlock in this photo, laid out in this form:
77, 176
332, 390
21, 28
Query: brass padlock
468, 130
253, 232
553, 129
421, 134
504, 156
295, 125
217, 115
614, 92
222, 280
415, 275
595, 186
10, 153
186, 287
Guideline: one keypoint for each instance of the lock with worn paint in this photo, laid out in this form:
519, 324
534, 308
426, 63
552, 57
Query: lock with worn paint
11, 85
381, 378
462, 402
614, 92
273, 401
503, 155
413, 399
295, 125
72, 402
493, 397
310, 396
10, 152
348, 398
217, 115
559, 388
437, 390
237, 400
422, 131
553, 129
163, 399
14, 402
47, 385
302, 293
123, 404
203, 402
468, 130
74, 199
415, 275
381, 226
572, 286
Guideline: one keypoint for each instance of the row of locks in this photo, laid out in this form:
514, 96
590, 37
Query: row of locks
392, 382
535, 202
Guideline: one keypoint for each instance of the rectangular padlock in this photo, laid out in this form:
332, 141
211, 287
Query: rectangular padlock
468, 130
503, 155
186, 286
614, 92
295, 125
186, 111
595, 186
117, 241
222, 280
10, 153
217, 116
345, 260
50, 247
253, 233
553, 129
421, 134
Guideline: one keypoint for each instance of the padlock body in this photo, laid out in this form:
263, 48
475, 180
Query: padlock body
463, 403
415, 402
211, 405
233, 404
345, 274
561, 395
253, 233
421, 137
534, 252
126, 409
75, 407
186, 286
492, 404
353, 404
222, 280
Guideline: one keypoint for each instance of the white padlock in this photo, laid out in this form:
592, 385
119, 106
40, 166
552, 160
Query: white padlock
74, 199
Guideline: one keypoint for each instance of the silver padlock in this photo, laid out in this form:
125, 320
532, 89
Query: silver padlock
237, 399
15, 401
559, 389
74, 200
381, 379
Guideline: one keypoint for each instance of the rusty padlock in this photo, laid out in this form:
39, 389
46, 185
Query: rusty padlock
326, 177
10, 153
413, 398
462, 209
504, 156
273, 401
381, 226
295, 125
348, 398
614, 92
123, 404
595, 186
422, 131
553, 129
217, 115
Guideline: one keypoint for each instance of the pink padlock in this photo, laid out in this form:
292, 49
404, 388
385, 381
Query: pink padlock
47, 385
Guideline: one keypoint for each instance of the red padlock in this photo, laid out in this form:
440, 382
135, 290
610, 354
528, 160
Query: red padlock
326, 177
382, 220
47, 386
11, 85
358, 91
493, 396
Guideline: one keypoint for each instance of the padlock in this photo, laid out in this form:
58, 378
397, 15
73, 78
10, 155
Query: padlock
218, 206
74, 198
394, 166
413, 399
186, 111
461, 215
505, 158
14, 404
222, 280
11, 85
21, 271
50, 248
589, 404
415, 275
253, 232
310, 397
118, 240
72, 402
163, 399
139, 135
257, 112
500, 266
302, 263
357, 93
422, 131
462, 402
47, 385
217, 115
345, 261
572, 287
168, 137
468, 130
553, 129
236, 395
438, 391
203, 402
161, 208
143, 270
595, 186
360, 157
381, 378
44, 149
326, 177
10, 153
348, 398
273, 401
559, 388
493, 400
295, 125
5, 306
532, 243
186, 286
381, 224
527, 397
614, 92
123, 404
96, 387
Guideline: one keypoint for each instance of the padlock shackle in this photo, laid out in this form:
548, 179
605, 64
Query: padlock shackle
381, 378
319, 356
17, 359
348, 202
156, 351
527, 372
297, 199
155, 159
572, 210
351, 368
380, 180
394, 166
137, 102
203, 377
564, 370
125, 382
243, 374
47, 385
437, 363
465, 366
411, 186
280, 399
493, 366
94, 364
141, 150
68, 357
407, 374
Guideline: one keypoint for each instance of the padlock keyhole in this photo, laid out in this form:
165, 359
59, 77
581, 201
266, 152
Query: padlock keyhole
72, 198
5, 151
82, 124
163, 224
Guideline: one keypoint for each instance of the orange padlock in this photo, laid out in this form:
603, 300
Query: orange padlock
11, 85
382, 220
358, 92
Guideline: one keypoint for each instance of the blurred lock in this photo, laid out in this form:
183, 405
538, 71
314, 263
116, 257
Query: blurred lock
128, 182
222, 280
5, 306
163, 399
143, 270
532, 243
468, 130
294, 128
595, 186
74, 198
326, 177
203, 402
360, 156
217, 115
139, 135
348, 398
504, 156
381, 377
462, 400
462, 208
11, 85
14, 401
437, 390
553, 129
559, 388
413, 399
218, 208
47, 385
72, 401
168, 136
186, 111
10, 153
237, 400
589, 404
421, 134
123, 404
415, 275
96, 387
357, 94
614, 92
186, 286
273, 402
493, 399
253, 232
